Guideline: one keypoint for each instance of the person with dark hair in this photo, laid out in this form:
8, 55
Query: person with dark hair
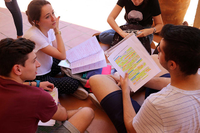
139, 12
22, 106
17, 16
176, 107
50, 48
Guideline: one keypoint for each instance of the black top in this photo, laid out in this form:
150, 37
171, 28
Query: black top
148, 8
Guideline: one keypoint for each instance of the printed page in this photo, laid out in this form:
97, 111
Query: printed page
131, 57
88, 63
99, 56
112, 49
93, 66
87, 48
51, 122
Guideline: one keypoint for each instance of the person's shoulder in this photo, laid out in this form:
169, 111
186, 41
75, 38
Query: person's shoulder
33, 89
37, 89
32, 30
32, 33
159, 96
39, 93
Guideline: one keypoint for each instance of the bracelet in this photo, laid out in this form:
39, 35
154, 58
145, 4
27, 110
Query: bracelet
58, 32
30, 83
37, 83
154, 31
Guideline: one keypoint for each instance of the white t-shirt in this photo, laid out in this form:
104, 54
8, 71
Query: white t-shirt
170, 110
41, 41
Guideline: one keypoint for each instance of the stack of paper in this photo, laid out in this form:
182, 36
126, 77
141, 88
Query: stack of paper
130, 56
85, 56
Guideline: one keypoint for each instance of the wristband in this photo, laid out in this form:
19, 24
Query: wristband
59, 32
37, 83
154, 31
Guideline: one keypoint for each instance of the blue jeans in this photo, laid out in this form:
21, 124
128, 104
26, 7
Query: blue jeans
106, 37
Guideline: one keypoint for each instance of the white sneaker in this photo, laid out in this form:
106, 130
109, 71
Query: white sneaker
94, 100
80, 93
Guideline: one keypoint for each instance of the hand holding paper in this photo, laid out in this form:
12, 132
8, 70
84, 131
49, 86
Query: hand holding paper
129, 56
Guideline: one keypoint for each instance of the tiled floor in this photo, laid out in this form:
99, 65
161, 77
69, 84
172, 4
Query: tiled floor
76, 27
72, 34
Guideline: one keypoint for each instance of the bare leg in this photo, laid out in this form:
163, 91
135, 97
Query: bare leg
82, 118
102, 85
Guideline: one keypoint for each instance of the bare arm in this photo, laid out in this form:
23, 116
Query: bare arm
111, 21
61, 114
58, 51
7, 0
70, 113
129, 112
158, 83
46, 85
158, 23
158, 26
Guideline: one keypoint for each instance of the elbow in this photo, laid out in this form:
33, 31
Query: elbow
109, 19
130, 129
161, 26
65, 117
64, 114
62, 57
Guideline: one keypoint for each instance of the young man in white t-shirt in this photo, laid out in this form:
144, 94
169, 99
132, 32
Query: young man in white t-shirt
173, 109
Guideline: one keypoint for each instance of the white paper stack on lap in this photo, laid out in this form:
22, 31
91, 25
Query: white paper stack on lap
85, 56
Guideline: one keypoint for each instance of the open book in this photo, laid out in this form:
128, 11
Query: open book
130, 56
84, 57
51, 122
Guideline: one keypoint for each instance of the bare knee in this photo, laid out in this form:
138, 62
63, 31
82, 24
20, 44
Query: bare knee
97, 79
94, 79
88, 113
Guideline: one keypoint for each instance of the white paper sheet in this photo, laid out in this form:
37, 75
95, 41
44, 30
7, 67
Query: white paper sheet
93, 66
99, 56
87, 48
130, 56
84, 57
